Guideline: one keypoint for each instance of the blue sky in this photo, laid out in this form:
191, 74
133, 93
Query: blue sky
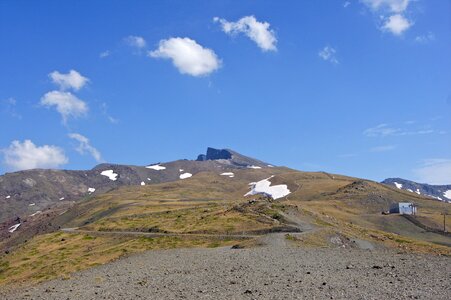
361, 88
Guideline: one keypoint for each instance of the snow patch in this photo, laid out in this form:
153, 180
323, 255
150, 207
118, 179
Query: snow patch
185, 175
62, 198
7, 197
418, 192
143, 183
13, 228
110, 174
254, 167
32, 204
398, 185
91, 190
230, 174
447, 194
148, 178
271, 166
34, 214
181, 170
264, 187
410, 190
156, 167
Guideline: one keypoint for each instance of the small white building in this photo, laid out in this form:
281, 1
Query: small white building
403, 208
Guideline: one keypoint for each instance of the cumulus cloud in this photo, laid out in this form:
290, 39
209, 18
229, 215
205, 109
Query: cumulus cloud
84, 146
394, 6
26, 155
434, 171
67, 104
396, 24
72, 80
136, 41
328, 54
187, 56
259, 32
392, 13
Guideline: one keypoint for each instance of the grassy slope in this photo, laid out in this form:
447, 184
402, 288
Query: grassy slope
210, 203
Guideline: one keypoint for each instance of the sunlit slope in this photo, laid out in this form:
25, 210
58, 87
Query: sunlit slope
207, 202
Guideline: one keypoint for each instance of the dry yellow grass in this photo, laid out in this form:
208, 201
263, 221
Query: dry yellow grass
60, 254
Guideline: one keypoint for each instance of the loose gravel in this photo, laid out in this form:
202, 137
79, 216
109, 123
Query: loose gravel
274, 271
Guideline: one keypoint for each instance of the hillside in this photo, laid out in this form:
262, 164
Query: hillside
27, 192
223, 202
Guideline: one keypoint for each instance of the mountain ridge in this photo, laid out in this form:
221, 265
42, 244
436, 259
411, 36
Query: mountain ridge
438, 192
29, 191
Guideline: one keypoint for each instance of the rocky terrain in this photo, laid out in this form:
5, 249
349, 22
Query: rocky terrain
305, 234
438, 192
26, 192
278, 269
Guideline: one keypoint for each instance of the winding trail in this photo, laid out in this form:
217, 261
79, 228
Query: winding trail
158, 234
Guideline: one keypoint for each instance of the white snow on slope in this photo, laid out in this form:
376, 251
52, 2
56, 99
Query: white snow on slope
435, 197
230, 174
181, 170
410, 190
264, 187
418, 192
447, 194
148, 178
398, 185
13, 228
156, 167
62, 198
143, 183
7, 197
185, 175
110, 174
91, 190
254, 167
32, 204
34, 214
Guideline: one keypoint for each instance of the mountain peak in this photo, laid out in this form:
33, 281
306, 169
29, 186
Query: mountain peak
230, 157
214, 154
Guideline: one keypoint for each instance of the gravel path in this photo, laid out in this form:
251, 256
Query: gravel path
275, 271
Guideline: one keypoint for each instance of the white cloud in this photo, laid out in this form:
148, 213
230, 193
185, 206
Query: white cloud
26, 155
84, 146
396, 24
383, 130
346, 4
72, 80
383, 148
328, 54
257, 31
425, 38
104, 109
392, 13
67, 104
136, 41
434, 171
187, 56
105, 54
394, 6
